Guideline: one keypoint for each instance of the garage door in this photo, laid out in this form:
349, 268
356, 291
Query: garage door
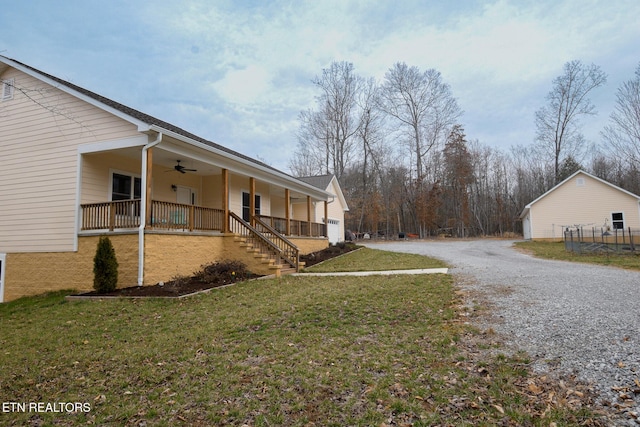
333, 231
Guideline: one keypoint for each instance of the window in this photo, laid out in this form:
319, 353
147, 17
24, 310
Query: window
7, 90
246, 198
580, 182
125, 187
617, 219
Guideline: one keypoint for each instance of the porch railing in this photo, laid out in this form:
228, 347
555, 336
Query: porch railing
298, 227
111, 215
265, 246
172, 216
124, 214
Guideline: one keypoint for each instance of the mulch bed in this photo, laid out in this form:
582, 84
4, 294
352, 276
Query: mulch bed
193, 285
168, 289
328, 253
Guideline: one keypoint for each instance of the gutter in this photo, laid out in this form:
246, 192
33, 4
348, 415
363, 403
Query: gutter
143, 207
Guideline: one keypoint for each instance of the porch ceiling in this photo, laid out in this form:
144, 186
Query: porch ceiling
166, 155
167, 159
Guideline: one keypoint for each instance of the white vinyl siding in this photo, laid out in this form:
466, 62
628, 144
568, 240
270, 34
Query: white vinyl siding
38, 146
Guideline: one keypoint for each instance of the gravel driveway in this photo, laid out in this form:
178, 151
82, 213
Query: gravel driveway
570, 317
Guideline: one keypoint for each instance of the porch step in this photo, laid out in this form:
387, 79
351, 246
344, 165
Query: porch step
282, 270
265, 259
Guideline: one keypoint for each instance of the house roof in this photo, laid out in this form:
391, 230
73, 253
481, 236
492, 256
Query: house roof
137, 116
322, 182
319, 181
143, 117
615, 187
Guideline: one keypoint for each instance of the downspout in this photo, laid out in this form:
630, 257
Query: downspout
143, 207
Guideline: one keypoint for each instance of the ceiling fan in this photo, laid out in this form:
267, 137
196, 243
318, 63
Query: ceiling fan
182, 169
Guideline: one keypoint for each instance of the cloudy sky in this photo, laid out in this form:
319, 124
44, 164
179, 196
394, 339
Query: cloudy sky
239, 72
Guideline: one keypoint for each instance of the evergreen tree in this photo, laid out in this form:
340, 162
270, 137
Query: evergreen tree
105, 267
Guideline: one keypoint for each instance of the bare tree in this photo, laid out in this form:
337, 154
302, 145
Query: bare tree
331, 130
557, 123
422, 105
312, 155
623, 132
371, 137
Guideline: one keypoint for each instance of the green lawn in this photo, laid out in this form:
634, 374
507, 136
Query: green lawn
363, 351
366, 259
555, 250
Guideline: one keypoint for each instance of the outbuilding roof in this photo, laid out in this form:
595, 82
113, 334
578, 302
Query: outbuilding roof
528, 207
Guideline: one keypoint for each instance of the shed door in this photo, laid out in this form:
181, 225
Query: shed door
3, 259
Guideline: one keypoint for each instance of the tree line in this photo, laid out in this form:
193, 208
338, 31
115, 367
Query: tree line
406, 166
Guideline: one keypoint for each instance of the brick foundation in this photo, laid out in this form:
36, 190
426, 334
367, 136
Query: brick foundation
166, 256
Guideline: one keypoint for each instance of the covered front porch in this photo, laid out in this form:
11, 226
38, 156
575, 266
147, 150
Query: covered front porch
179, 190
167, 183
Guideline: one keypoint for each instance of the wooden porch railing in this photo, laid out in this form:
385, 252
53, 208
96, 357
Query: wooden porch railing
111, 215
125, 214
239, 226
164, 215
172, 216
298, 227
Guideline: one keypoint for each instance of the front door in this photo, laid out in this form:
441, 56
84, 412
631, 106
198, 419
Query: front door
185, 195
3, 259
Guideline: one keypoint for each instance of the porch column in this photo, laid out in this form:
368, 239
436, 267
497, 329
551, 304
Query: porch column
225, 200
326, 219
309, 215
147, 200
252, 199
287, 212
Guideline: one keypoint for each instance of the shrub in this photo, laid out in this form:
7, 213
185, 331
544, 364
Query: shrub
223, 272
105, 267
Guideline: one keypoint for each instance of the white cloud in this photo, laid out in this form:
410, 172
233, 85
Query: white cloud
246, 86
244, 68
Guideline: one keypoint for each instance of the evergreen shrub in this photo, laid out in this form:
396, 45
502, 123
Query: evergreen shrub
105, 267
